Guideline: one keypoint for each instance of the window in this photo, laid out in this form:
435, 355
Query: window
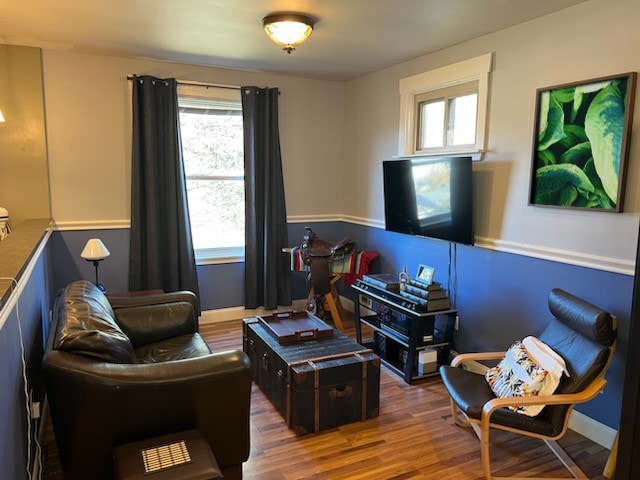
443, 111
212, 146
447, 118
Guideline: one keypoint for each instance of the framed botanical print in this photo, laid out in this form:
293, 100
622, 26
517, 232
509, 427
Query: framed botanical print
581, 143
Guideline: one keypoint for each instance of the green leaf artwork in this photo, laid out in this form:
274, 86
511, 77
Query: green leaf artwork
579, 144
604, 125
561, 184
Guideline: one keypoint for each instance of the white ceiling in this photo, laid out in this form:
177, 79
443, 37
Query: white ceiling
351, 38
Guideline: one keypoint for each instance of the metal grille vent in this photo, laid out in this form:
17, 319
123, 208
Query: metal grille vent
162, 457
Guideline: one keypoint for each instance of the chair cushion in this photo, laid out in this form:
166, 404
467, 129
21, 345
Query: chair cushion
470, 392
591, 321
87, 325
543, 355
176, 348
528, 368
146, 324
517, 375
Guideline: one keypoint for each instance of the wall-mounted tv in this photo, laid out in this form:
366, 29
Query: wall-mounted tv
430, 197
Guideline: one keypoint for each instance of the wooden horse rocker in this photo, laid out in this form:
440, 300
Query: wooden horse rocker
319, 255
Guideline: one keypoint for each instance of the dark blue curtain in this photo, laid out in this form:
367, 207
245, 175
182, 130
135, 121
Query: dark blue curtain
161, 249
266, 268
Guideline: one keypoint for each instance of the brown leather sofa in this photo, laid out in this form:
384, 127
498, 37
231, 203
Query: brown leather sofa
118, 371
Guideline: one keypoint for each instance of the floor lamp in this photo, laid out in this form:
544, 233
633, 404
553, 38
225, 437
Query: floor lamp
95, 251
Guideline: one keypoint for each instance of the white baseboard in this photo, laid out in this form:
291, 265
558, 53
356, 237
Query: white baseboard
578, 422
592, 429
236, 313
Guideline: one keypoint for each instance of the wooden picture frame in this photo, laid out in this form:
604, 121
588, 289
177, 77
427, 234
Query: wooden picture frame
581, 143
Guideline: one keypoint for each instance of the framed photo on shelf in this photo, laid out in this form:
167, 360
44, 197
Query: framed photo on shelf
581, 143
425, 274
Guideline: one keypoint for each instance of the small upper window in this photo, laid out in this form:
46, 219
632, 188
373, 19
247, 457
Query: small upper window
447, 118
444, 110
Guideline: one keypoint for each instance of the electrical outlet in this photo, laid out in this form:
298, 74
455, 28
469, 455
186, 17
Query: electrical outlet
456, 324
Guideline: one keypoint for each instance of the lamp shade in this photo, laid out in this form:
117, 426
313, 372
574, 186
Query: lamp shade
95, 250
288, 29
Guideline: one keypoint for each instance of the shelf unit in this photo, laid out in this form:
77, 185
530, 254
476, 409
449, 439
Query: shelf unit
402, 333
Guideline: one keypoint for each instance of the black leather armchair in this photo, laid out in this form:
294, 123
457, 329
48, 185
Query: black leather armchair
134, 369
583, 335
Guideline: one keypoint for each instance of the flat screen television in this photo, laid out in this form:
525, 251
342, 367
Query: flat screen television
430, 197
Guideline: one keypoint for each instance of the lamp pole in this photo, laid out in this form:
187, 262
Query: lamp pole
95, 264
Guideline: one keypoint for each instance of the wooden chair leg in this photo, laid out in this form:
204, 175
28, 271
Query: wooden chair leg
331, 301
556, 449
333, 308
610, 467
458, 417
484, 452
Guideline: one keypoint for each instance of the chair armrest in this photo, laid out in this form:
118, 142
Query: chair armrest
585, 395
466, 357
115, 404
118, 378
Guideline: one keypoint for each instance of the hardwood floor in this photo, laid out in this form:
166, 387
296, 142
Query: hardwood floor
413, 438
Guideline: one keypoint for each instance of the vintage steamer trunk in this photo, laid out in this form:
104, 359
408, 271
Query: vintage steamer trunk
315, 384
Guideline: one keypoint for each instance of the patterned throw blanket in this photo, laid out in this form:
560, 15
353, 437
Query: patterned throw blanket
351, 268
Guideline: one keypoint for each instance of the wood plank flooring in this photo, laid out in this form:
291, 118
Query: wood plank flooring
413, 438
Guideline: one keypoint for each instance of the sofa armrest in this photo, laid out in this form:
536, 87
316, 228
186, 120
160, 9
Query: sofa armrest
154, 299
149, 323
114, 404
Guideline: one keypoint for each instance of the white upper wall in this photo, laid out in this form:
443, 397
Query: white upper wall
88, 110
335, 135
589, 40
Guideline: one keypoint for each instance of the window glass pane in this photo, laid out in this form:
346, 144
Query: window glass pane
216, 209
462, 120
212, 142
212, 147
432, 124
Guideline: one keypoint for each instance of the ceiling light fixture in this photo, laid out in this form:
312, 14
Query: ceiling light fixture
288, 29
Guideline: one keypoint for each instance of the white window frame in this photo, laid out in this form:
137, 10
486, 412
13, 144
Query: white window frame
473, 70
211, 256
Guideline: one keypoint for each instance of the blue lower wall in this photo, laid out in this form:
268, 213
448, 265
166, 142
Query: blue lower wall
501, 297
29, 314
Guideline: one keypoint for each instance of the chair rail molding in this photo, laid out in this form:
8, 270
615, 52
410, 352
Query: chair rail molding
607, 264
114, 224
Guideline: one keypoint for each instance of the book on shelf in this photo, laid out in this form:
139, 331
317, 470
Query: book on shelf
423, 286
414, 298
428, 305
384, 281
439, 304
427, 294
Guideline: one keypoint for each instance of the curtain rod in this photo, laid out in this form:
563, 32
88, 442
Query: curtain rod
200, 84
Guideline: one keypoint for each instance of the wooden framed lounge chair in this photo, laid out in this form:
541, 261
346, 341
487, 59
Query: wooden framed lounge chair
584, 336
